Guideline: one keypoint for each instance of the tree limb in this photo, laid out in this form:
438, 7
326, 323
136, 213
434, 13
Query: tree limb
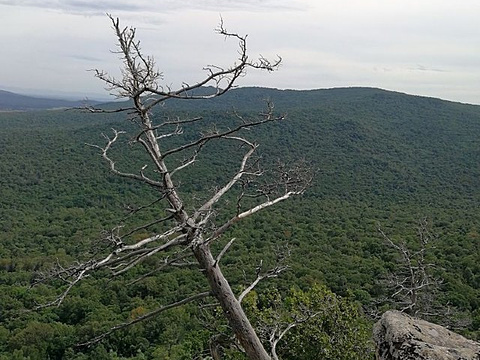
145, 317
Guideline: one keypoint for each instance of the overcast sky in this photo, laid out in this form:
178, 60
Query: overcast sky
424, 47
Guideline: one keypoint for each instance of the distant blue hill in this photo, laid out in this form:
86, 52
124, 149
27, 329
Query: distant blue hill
10, 101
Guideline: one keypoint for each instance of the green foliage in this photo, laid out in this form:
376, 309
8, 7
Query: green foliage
42, 341
327, 326
380, 157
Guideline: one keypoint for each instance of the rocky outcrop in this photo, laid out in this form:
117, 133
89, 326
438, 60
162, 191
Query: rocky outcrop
398, 336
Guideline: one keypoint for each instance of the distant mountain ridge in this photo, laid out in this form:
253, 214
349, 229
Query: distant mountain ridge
255, 98
244, 97
10, 101
382, 160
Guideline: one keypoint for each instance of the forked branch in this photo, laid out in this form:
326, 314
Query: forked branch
179, 227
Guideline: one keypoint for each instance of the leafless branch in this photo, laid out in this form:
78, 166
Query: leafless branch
223, 228
140, 76
145, 317
207, 206
185, 232
278, 332
224, 250
168, 261
413, 284
272, 273
146, 226
132, 210
113, 169
216, 135
96, 110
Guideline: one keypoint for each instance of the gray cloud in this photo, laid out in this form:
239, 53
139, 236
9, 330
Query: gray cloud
426, 68
85, 58
81, 7
101, 6
427, 47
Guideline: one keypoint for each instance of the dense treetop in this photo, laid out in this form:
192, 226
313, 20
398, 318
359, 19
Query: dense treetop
381, 159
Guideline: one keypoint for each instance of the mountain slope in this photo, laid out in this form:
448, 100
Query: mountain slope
382, 159
12, 101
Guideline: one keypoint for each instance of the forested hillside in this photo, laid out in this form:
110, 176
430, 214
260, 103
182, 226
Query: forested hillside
382, 160
10, 101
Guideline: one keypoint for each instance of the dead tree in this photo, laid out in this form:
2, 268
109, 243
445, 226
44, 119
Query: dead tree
189, 229
413, 284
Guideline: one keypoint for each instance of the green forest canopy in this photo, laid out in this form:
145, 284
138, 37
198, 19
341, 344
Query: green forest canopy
381, 159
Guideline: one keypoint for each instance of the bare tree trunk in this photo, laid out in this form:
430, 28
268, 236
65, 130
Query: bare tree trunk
232, 309
141, 83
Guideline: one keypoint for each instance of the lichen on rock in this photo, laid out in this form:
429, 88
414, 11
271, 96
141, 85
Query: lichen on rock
399, 336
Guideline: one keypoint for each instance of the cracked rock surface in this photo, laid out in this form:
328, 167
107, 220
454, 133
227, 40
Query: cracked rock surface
398, 336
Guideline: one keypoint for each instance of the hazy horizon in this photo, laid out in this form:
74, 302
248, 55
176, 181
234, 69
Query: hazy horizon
427, 48
48, 94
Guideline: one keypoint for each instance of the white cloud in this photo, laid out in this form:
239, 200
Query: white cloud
428, 46
88, 7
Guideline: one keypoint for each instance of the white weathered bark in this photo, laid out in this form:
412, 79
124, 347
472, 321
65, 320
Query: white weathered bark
232, 309
188, 232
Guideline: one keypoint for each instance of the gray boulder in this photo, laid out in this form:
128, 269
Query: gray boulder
398, 336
